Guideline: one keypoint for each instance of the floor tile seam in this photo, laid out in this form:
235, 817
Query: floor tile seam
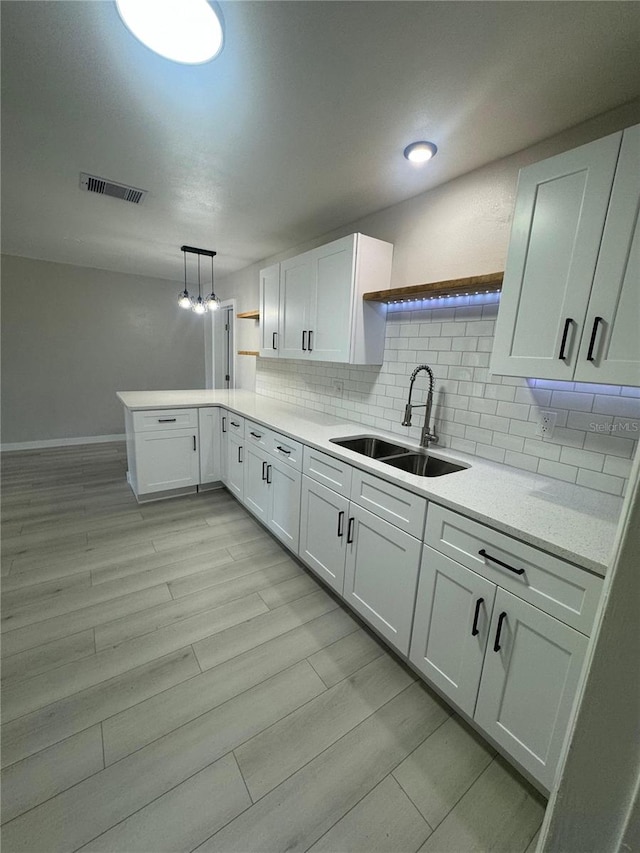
163, 566
50, 746
330, 746
34, 586
70, 696
8, 683
95, 604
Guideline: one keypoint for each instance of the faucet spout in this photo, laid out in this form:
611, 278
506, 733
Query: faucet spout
427, 435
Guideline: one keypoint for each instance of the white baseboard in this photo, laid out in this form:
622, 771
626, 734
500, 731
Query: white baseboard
60, 442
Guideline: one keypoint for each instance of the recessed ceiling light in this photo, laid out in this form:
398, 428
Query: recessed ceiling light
187, 31
420, 152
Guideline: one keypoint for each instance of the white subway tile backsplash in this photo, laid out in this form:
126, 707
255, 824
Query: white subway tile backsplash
491, 416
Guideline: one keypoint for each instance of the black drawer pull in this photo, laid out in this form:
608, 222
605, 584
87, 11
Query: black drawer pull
350, 530
304, 342
167, 420
274, 338
239, 453
194, 442
282, 450
264, 470
268, 475
234, 423
592, 342
484, 554
567, 325
501, 618
310, 339
224, 424
341, 523
256, 434
475, 630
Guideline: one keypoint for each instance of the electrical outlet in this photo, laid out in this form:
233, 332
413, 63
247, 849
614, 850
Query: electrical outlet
338, 386
546, 424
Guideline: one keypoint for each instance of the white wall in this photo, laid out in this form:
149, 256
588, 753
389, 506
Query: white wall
73, 336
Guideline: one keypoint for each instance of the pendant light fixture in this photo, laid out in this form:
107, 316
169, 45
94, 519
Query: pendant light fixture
185, 300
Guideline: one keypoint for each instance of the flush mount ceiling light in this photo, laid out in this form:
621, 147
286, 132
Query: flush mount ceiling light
420, 152
199, 305
187, 31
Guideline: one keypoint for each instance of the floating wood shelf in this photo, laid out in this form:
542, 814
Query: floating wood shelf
452, 287
248, 352
248, 315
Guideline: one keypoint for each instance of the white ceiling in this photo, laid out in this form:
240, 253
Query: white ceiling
297, 128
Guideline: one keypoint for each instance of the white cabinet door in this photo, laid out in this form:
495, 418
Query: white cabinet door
381, 575
451, 627
284, 502
531, 671
610, 347
167, 459
296, 283
223, 419
331, 300
269, 310
210, 459
323, 527
559, 216
235, 465
256, 490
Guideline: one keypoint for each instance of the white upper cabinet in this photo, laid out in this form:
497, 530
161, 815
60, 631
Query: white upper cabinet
269, 309
573, 259
321, 314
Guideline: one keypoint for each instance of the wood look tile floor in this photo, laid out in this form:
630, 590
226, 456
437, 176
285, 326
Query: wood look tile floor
173, 680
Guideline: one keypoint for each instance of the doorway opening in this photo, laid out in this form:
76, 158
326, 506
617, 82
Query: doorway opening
223, 353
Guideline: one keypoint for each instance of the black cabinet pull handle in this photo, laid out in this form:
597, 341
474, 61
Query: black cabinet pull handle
274, 339
350, 530
484, 554
501, 618
224, 424
282, 450
167, 420
310, 339
592, 342
256, 434
234, 423
239, 453
268, 475
194, 442
264, 471
567, 325
475, 630
304, 342
341, 523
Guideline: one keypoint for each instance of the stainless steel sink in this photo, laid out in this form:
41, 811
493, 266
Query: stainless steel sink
398, 456
371, 445
423, 465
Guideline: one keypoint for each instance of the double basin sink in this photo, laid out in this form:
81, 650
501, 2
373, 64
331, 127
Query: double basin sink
398, 456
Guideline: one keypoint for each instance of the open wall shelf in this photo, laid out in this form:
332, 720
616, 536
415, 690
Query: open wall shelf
451, 287
248, 315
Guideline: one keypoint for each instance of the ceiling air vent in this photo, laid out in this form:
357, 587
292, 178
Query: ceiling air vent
102, 186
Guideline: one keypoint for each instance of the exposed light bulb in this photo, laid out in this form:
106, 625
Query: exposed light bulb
199, 307
213, 303
420, 152
184, 300
186, 31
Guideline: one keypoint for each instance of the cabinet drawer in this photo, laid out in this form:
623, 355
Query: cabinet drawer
555, 586
394, 504
163, 419
235, 424
258, 435
286, 449
324, 469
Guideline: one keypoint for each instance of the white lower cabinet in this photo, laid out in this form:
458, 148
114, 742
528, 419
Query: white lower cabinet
210, 457
451, 627
381, 574
256, 488
283, 507
323, 525
166, 459
235, 465
529, 681
223, 417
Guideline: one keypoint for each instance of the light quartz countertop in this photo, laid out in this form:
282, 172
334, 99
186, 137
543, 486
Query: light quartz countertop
572, 522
